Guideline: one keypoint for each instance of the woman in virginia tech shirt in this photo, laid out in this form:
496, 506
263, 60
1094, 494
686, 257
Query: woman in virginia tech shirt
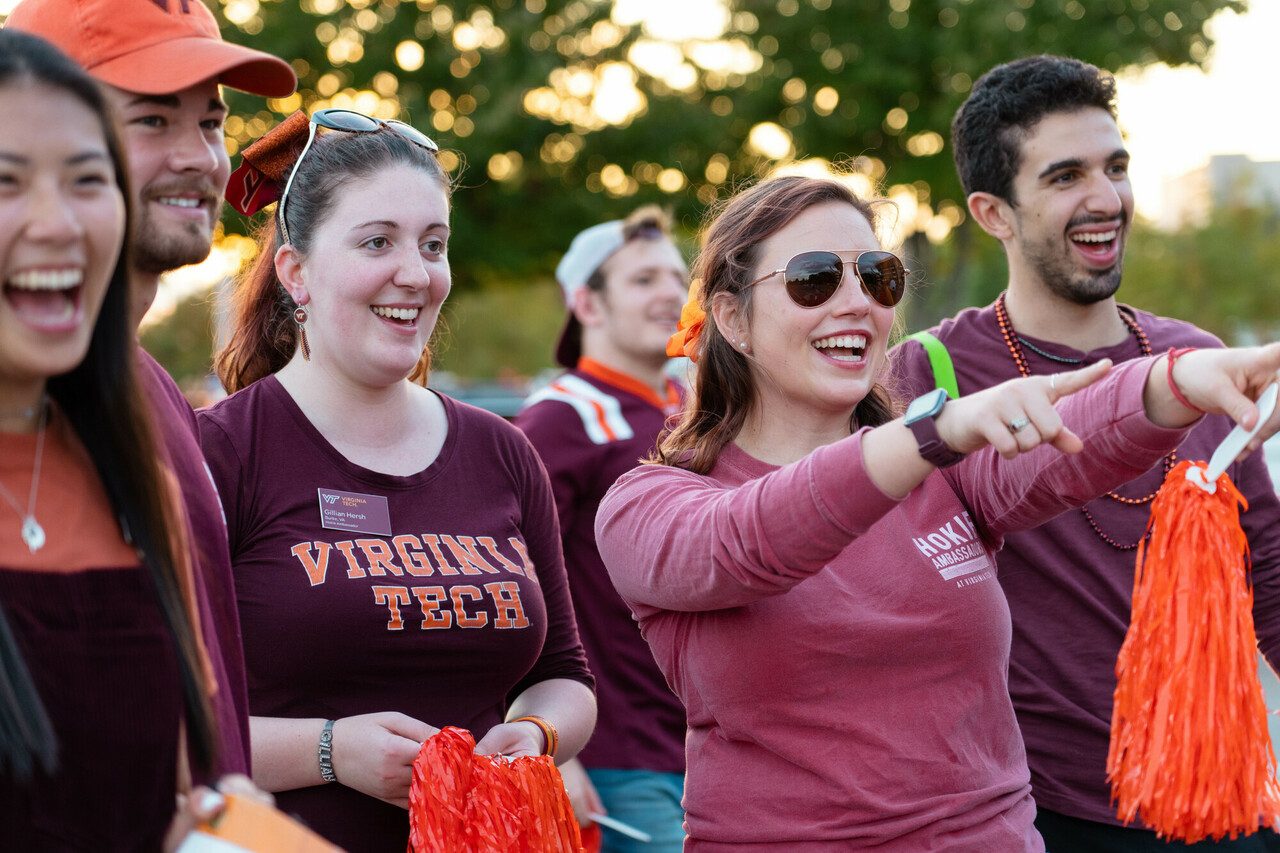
396, 553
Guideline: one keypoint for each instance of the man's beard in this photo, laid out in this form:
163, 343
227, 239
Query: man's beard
157, 250
1064, 280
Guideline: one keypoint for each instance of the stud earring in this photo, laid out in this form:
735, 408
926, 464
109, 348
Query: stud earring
300, 317
742, 344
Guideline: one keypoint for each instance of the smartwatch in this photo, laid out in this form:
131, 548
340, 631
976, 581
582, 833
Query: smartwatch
920, 420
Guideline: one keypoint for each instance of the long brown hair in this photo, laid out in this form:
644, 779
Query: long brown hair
264, 336
724, 390
105, 405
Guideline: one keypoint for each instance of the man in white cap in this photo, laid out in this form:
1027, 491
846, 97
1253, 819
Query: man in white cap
162, 63
624, 282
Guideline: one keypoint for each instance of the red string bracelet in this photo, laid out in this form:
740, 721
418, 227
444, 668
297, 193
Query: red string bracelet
1173, 355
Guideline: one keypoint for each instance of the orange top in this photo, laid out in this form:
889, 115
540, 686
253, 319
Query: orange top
81, 531
631, 385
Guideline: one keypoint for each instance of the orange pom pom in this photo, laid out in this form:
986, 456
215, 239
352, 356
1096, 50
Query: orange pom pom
1190, 752
468, 803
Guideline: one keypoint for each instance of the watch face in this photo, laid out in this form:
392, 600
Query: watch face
925, 406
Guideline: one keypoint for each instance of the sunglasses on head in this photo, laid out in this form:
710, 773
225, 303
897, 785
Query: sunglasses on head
348, 121
812, 278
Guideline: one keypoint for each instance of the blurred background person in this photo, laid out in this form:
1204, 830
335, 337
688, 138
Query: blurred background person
396, 553
623, 282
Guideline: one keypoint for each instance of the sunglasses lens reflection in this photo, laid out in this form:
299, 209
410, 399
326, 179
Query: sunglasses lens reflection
883, 276
813, 277
345, 120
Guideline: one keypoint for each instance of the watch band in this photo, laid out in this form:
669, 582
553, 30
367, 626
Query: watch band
931, 446
325, 752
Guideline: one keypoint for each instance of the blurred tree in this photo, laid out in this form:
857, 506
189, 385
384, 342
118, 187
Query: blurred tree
183, 341
573, 111
1220, 275
556, 114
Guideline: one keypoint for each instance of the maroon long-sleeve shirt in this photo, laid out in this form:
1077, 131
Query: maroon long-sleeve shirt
1069, 591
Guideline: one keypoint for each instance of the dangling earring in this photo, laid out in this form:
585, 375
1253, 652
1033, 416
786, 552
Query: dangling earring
300, 317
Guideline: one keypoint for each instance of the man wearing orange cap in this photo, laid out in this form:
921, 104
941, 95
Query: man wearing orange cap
162, 62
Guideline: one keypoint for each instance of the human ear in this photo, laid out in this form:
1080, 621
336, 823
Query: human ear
730, 319
588, 306
288, 263
992, 213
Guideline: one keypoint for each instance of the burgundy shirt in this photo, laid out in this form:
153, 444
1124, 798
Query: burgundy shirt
1070, 592
85, 618
590, 426
843, 655
211, 563
460, 609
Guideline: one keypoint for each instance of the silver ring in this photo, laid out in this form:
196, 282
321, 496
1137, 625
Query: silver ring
1053, 383
1018, 424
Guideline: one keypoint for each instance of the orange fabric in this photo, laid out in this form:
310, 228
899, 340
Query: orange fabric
689, 329
152, 47
82, 532
630, 384
1190, 752
468, 803
80, 527
258, 828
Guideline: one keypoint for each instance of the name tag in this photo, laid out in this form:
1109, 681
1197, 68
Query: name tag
354, 512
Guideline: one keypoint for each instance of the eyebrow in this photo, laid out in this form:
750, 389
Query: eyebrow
1076, 162
74, 160
172, 102
387, 223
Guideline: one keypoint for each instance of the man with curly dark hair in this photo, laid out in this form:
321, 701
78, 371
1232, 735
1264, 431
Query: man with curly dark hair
1046, 172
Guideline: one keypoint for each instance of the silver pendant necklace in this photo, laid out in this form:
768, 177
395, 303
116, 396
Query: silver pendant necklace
32, 532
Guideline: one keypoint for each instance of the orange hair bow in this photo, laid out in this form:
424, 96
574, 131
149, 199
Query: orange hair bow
689, 329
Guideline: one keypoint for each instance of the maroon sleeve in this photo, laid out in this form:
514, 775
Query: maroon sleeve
562, 654
1262, 527
556, 432
211, 560
1120, 443
910, 372
226, 469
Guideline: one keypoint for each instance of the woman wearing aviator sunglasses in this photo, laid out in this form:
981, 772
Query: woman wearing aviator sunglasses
397, 561
819, 592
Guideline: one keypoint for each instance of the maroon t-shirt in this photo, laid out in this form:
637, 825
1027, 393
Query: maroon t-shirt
1069, 591
211, 563
463, 606
589, 431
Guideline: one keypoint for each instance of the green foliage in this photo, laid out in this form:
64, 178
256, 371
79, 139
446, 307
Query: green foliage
183, 341
1220, 275
898, 70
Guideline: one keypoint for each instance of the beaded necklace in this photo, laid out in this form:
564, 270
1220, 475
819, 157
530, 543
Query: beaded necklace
1014, 344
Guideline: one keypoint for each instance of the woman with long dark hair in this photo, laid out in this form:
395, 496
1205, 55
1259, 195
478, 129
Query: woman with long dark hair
814, 571
396, 553
105, 681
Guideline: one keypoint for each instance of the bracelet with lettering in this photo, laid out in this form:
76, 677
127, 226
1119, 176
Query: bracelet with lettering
325, 752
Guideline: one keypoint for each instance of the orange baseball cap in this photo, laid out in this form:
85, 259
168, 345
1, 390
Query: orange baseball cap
152, 47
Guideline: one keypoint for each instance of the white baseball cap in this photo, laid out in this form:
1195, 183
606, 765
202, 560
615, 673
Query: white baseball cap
587, 253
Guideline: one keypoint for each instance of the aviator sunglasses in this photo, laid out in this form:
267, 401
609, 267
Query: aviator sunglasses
812, 278
348, 121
